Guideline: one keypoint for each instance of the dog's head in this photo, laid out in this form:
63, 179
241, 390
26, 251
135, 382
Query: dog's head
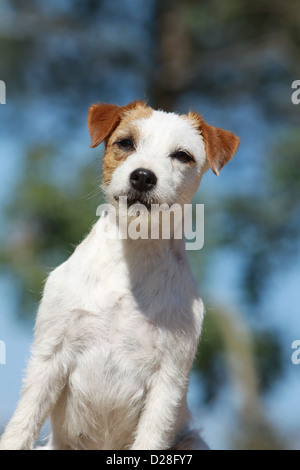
154, 157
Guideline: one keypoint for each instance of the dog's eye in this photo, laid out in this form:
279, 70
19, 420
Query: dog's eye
182, 156
125, 144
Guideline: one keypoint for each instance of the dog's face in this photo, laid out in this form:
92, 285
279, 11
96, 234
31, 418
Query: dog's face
154, 157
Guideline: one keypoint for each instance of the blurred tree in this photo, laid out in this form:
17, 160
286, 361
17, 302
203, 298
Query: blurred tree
267, 223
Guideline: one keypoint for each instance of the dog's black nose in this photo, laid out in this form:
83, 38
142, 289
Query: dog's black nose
142, 179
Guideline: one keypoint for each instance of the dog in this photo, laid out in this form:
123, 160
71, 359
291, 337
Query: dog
119, 323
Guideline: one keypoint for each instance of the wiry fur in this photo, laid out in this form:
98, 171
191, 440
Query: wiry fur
119, 322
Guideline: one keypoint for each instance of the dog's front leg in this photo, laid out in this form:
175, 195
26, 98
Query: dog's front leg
45, 377
44, 381
158, 423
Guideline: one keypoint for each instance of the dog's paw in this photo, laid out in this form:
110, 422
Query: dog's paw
143, 444
8, 444
12, 443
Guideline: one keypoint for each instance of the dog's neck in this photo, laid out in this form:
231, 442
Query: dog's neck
154, 250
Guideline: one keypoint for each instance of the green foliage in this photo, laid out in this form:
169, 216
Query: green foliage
268, 357
210, 359
267, 222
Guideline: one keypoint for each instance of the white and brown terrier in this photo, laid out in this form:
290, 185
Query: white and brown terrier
119, 323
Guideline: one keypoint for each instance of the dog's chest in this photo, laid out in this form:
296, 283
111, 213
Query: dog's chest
119, 339
130, 332
117, 359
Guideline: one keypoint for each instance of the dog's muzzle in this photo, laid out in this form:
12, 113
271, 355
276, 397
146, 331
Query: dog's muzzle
142, 182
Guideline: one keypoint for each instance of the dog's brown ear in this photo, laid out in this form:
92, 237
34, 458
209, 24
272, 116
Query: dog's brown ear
103, 119
220, 145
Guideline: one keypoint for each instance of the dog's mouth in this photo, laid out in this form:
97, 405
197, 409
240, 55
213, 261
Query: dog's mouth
140, 199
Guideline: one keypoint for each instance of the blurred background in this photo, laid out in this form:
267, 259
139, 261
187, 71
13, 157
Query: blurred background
234, 62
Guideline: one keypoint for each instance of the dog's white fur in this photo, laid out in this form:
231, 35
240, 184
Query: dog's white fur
119, 323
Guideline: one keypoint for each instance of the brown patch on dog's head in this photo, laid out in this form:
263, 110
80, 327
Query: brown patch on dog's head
104, 120
220, 145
